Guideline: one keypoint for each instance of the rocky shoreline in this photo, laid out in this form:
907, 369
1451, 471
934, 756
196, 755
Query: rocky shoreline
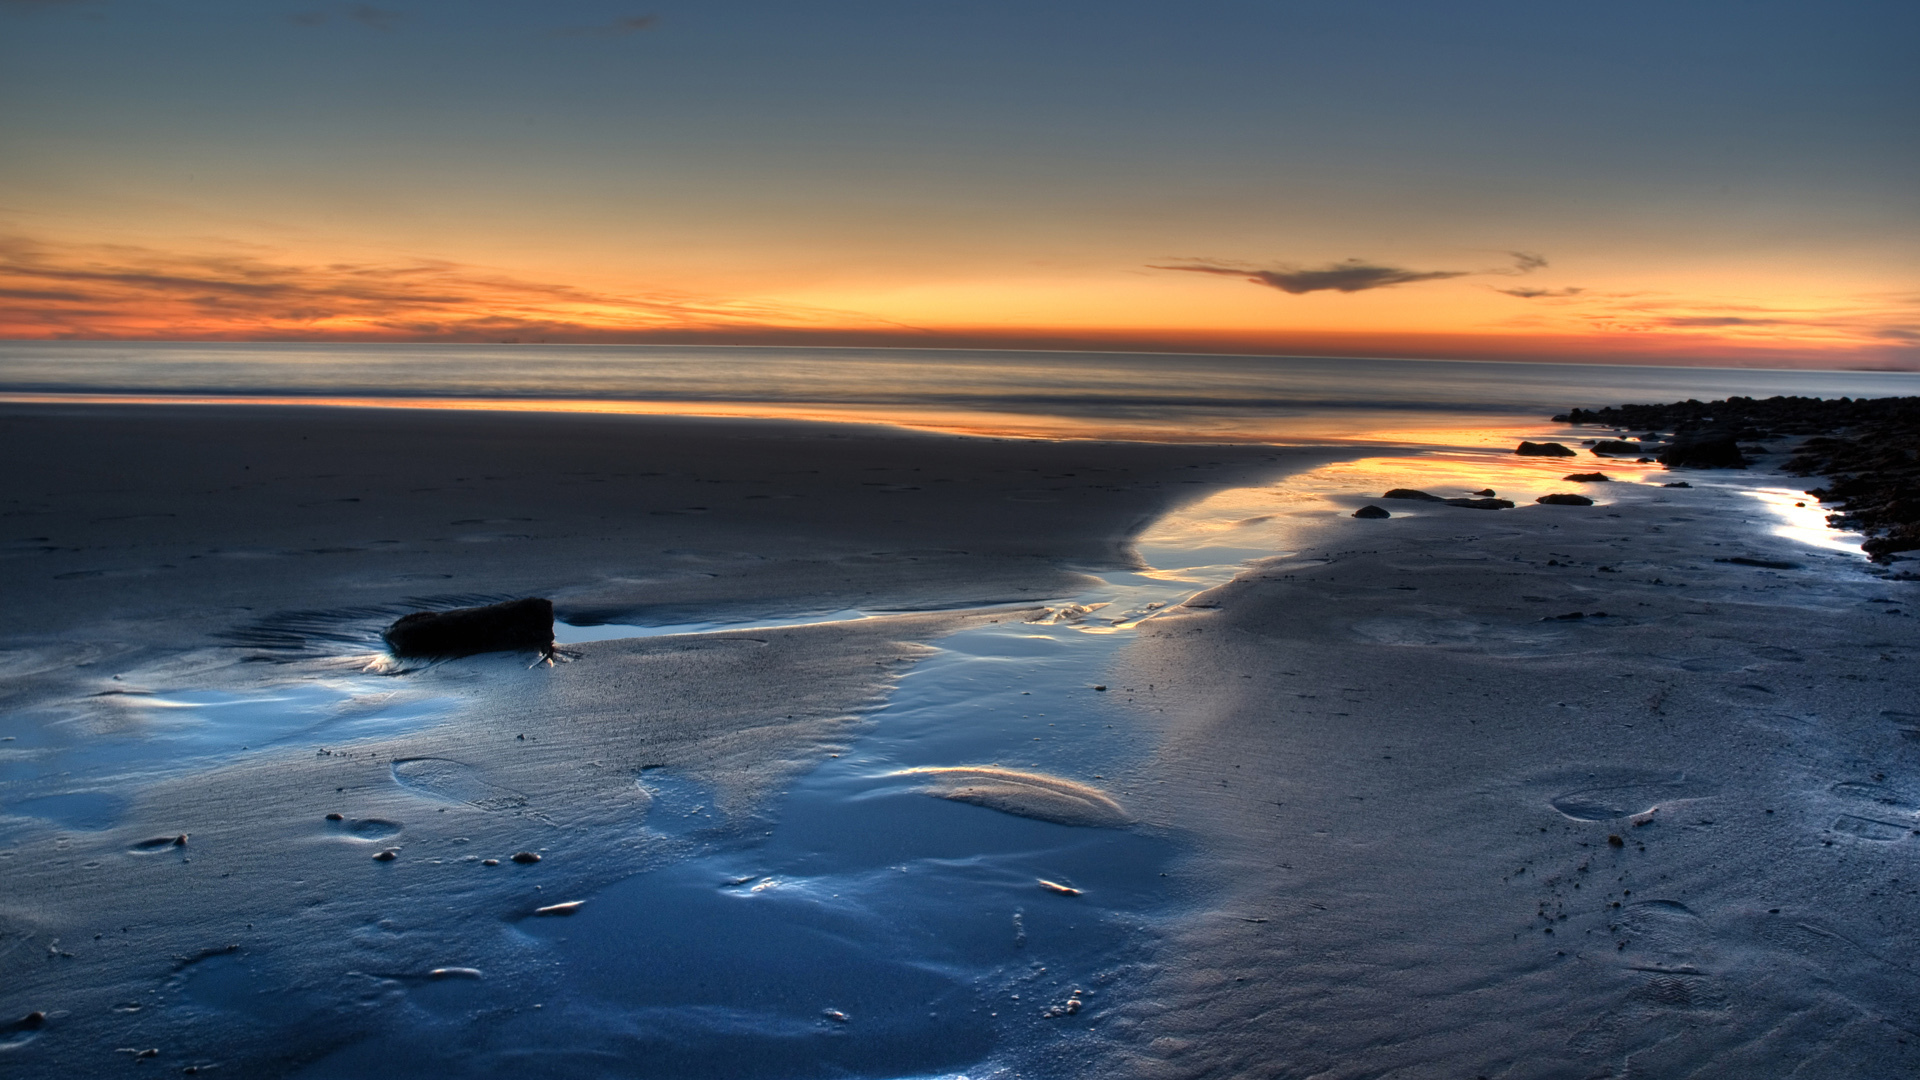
1869, 449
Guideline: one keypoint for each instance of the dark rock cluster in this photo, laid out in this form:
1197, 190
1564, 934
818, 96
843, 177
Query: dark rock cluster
1869, 448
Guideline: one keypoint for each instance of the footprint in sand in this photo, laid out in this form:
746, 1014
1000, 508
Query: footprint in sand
1884, 832
1033, 795
453, 781
363, 829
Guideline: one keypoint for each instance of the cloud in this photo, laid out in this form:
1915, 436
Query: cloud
1723, 320
1358, 275
1526, 293
1351, 276
631, 24
100, 290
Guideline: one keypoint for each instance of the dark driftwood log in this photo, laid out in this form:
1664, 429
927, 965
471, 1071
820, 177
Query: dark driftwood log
439, 635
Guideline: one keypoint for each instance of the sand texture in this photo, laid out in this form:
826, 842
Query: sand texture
1447, 830
1027, 794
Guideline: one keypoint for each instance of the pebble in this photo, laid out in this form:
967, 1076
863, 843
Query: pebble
386, 856
489, 862
525, 858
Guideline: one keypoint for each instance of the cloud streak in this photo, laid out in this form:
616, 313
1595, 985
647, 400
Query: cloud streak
1350, 276
119, 291
1526, 293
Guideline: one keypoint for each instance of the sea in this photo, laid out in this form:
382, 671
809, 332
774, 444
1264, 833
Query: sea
1034, 394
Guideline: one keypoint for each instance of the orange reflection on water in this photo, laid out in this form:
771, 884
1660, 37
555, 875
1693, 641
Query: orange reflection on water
1323, 427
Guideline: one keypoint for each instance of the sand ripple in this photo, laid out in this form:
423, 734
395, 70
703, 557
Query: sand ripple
1034, 795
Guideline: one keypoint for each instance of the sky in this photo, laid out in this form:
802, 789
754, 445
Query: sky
1719, 181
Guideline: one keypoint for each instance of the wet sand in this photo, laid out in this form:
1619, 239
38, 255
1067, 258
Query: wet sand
1448, 828
245, 559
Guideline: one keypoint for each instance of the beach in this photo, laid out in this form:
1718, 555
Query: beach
1366, 778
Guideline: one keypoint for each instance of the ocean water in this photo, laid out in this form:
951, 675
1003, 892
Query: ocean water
1024, 393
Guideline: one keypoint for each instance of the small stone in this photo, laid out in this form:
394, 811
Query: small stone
336, 817
525, 858
1099, 688
1589, 478
489, 862
1614, 840
1372, 513
1563, 499
1682, 483
1534, 449
386, 856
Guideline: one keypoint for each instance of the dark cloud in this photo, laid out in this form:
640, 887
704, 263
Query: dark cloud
1351, 276
1725, 320
1526, 293
1526, 262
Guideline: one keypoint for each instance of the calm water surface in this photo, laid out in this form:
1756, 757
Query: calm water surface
1066, 394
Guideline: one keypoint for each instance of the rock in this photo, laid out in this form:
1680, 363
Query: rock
1708, 450
1589, 477
1551, 449
1421, 496
512, 626
1372, 512
1604, 447
1564, 499
386, 856
1488, 492
525, 857
1681, 483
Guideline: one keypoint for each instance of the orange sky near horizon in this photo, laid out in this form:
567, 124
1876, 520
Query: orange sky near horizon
1293, 180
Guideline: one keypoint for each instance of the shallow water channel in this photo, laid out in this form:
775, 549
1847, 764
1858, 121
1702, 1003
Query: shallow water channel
873, 931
